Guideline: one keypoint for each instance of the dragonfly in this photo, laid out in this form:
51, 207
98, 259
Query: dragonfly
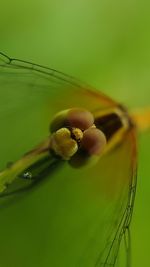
63, 123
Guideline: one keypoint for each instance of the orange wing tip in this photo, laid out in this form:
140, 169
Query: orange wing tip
141, 118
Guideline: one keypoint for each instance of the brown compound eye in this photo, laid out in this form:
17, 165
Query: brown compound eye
93, 141
80, 118
76, 118
92, 146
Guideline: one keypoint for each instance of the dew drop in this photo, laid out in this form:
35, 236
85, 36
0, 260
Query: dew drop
27, 175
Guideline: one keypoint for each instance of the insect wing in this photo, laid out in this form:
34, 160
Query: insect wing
121, 184
30, 96
97, 201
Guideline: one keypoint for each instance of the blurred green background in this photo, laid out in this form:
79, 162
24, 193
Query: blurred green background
106, 44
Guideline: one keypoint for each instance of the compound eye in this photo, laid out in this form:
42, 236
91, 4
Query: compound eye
80, 118
75, 118
93, 141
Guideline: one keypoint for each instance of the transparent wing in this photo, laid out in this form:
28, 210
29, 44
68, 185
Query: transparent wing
124, 180
30, 95
89, 208
106, 194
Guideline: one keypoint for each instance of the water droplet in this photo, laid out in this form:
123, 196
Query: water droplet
27, 175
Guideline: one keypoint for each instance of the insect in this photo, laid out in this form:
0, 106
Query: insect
61, 121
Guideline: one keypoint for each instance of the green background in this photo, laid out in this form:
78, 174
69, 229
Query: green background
106, 44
